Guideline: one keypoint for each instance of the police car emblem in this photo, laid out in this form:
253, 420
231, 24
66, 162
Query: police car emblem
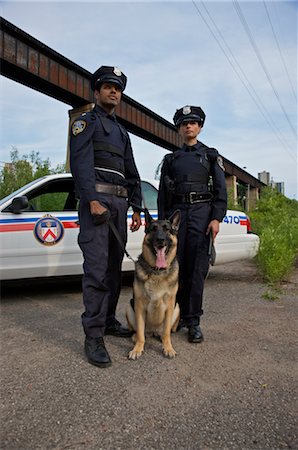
78, 126
220, 163
48, 230
186, 110
117, 71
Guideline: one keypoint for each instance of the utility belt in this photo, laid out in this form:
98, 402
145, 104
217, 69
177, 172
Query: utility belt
112, 189
193, 197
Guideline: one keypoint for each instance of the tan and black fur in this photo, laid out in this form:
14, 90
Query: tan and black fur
155, 286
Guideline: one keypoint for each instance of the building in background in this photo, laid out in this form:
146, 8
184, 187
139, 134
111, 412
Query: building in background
280, 186
265, 178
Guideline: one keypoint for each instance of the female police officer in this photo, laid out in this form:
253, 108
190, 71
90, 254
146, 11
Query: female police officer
185, 181
105, 176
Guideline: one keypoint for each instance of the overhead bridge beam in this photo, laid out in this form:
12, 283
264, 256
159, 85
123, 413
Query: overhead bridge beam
28, 61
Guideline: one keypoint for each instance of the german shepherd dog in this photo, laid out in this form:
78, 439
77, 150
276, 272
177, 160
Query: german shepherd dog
153, 308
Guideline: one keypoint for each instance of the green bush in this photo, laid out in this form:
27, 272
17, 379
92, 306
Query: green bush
275, 220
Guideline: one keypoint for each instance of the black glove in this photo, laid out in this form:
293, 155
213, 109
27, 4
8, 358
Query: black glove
99, 219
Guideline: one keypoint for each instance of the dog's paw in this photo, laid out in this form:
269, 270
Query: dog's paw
169, 352
135, 354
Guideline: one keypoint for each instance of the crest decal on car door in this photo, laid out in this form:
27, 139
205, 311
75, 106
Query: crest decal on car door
48, 230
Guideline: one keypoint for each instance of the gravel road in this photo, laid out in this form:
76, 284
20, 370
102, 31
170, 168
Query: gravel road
236, 390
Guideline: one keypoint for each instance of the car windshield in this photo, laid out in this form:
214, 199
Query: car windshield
18, 191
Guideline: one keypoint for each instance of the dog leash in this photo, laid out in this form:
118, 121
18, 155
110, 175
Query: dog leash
118, 237
116, 233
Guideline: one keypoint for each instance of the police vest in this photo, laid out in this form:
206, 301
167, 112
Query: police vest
190, 170
109, 143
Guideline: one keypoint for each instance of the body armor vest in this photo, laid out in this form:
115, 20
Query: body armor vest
190, 170
109, 142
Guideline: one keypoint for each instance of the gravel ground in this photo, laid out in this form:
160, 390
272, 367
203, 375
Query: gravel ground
236, 390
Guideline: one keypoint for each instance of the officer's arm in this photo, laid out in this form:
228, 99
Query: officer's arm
220, 200
133, 178
163, 198
136, 221
213, 228
82, 157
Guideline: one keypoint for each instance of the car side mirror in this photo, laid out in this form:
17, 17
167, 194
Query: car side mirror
18, 204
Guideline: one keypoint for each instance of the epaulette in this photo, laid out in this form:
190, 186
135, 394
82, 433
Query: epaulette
212, 153
169, 155
89, 115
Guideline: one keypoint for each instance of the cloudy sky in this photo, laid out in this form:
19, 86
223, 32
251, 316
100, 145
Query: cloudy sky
235, 59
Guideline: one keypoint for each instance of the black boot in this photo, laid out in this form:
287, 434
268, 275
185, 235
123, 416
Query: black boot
181, 324
195, 334
96, 352
115, 328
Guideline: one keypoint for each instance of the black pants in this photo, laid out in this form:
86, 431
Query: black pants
193, 259
102, 264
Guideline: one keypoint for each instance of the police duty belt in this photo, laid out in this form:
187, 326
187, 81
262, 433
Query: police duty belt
193, 197
112, 189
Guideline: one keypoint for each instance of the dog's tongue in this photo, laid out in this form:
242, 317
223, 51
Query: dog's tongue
161, 258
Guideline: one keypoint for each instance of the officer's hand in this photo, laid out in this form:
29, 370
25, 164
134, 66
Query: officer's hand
136, 221
213, 227
99, 213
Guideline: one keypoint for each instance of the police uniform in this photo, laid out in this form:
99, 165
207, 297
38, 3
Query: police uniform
103, 168
185, 185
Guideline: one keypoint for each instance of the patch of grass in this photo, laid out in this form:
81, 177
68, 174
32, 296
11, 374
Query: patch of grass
271, 295
275, 220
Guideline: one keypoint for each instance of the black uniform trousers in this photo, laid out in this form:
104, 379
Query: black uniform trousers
103, 257
192, 253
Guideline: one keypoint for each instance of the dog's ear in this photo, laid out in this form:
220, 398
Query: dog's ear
175, 220
148, 219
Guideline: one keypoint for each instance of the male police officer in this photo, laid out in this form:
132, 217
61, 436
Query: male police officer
184, 185
106, 178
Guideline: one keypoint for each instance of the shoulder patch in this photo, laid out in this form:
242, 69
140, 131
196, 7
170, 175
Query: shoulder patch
78, 126
220, 163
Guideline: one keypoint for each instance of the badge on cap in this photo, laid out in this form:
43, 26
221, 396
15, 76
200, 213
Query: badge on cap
78, 126
186, 110
117, 71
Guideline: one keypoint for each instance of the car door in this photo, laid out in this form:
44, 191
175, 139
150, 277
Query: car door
41, 240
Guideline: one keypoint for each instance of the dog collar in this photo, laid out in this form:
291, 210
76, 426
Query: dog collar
147, 266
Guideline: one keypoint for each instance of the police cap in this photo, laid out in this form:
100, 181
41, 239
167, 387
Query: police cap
187, 113
107, 74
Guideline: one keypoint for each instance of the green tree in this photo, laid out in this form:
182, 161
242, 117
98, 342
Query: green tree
22, 170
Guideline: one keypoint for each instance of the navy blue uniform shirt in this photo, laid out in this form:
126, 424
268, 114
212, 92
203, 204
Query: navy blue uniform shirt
100, 151
189, 169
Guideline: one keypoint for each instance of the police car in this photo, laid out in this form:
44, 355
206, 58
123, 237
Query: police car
39, 228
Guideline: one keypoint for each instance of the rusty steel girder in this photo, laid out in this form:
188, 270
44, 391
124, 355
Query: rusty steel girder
28, 61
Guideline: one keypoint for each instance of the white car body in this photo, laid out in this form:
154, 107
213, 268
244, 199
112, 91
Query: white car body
37, 242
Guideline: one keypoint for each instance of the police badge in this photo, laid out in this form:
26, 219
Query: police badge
117, 71
78, 126
186, 110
